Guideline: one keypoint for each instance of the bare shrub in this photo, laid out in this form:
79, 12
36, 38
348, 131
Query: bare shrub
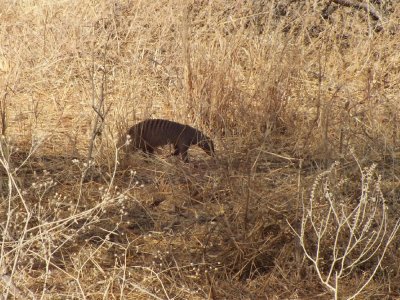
342, 236
41, 224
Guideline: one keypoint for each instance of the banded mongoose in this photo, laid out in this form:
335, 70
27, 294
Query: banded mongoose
152, 133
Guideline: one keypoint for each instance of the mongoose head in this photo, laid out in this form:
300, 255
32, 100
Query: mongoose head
207, 145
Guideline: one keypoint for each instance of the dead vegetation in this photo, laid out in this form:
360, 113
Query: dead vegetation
285, 89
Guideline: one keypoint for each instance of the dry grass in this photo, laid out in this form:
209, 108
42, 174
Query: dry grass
282, 91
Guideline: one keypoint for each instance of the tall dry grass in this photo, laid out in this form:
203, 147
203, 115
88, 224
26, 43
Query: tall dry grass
283, 91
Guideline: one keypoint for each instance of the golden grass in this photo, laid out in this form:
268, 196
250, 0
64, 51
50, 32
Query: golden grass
282, 91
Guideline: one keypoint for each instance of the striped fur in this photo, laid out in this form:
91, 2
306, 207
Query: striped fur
152, 133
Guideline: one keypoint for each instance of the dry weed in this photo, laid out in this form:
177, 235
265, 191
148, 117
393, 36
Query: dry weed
283, 87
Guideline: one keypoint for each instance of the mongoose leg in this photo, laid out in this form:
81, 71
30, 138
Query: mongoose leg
176, 152
183, 149
148, 148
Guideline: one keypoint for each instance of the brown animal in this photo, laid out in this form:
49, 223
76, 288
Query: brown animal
152, 133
